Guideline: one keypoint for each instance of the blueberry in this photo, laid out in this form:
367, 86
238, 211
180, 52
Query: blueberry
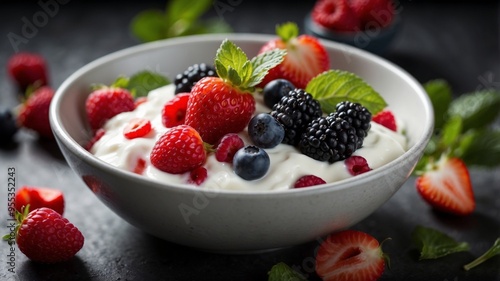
265, 131
8, 127
275, 90
251, 162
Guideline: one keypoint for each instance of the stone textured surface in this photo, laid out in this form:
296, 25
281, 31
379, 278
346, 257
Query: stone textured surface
457, 42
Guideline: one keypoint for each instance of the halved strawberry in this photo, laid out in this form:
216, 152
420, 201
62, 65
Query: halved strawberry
350, 255
38, 197
446, 186
306, 57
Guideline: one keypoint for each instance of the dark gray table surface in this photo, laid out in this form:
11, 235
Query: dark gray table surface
455, 41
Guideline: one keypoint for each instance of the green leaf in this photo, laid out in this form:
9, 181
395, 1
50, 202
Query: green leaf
282, 272
287, 31
452, 130
435, 244
186, 11
491, 252
149, 25
145, 81
477, 109
229, 56
480, 148
263, 62
334, 86
439, 92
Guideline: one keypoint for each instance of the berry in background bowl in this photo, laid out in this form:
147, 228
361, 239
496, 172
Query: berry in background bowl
366, 24
249, 215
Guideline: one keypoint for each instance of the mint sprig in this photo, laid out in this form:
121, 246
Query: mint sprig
491, 252
435, 244
282, 272
139, 84
334, 86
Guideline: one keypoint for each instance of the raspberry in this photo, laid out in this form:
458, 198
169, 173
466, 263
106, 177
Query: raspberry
328, 139
386, 118
198, 175
136, 128
308, 180
294, 111
28, 69
174, 111
335, 15
105, 103
227, 147
356, 165
357, 115
185, 81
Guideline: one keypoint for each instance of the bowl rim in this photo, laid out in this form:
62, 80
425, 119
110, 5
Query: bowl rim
63, 137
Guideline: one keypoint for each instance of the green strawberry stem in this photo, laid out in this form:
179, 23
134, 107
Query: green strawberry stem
287, 31
493, 251
19, 217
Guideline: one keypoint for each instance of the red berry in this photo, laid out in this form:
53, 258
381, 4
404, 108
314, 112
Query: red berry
373, 14
179, 150
227, 147
34, 112
27, 69
38, 197
217, 108
139, 101
136, 128
105, 103
45, 236
140, 166
308, 180
386, 118
198, 175
356, 165
335, 15
97, 136
174, 111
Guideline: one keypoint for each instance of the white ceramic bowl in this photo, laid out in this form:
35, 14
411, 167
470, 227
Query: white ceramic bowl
230, 221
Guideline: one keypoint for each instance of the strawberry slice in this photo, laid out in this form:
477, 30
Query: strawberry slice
306, 57
350, 255
38, 197
446, 186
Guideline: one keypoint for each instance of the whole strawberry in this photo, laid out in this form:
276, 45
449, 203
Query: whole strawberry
178, 150
104, 103
306, 57
44, 236
225, 104
34, 112
27, 69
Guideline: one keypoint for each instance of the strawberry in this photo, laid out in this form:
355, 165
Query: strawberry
140, 166
386, 118
136, 128
104, 103
447, 187
174, 111
224, 104
308, 180
350, 255
179, 150
34, 112
44, 236
38, 197
27, 69
306, 57
373, 13
335, 15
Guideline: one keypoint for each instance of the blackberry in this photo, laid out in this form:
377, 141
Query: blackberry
358, 116
294, 111
328, 139
185, 81
8, 126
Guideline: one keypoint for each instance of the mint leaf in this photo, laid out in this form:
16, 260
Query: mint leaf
477, 109
334, 86
263, 62
439, 92
181, 12
480, 148
143, 82
451, 132
229, 56
491, 252
435, 244
149, 25
287, 31
282, 272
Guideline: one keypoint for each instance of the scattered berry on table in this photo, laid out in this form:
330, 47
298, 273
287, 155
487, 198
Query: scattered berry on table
357, 165
185, 81
335, 15
295, 111
104, 103
34, 112
174, 111
357, 115
97, 136
328, 139
373, 14
28, 69
386, 118
227, 147
306, 57
198, 175
275, 90
45, 236
8, 126
265, 131
137, 127
350, 255
178, 150
251, 162
308, 180
38, 197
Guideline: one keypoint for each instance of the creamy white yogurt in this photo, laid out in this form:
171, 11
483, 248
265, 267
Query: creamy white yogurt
287, 163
